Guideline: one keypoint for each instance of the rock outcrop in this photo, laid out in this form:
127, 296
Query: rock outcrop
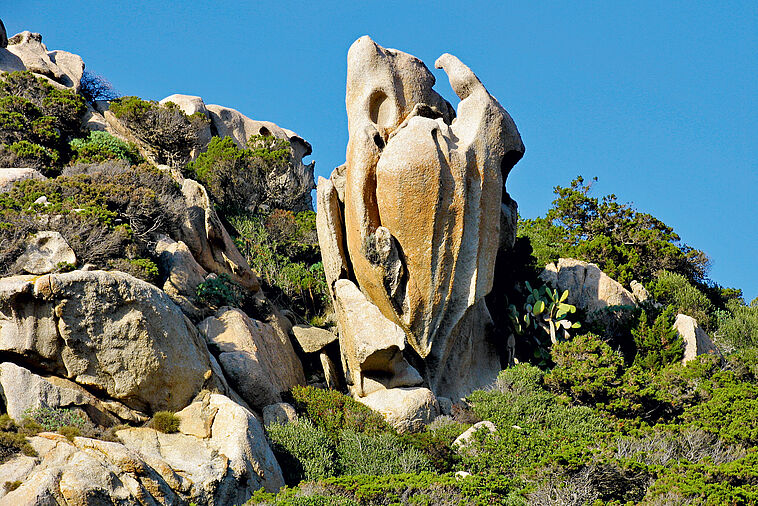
415, 214
257, 358
9, 176
590, 289
223, 465
696, 340
406, 409
108, 332
25, 51
44, 252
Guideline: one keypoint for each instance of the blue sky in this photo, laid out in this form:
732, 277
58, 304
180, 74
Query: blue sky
657, 99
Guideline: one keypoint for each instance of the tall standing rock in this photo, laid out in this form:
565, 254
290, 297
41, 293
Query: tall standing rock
421, 207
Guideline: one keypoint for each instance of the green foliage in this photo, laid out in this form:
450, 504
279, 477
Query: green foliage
305, 450
334, 412
52, 419
13, 440
163, 128
623, 242
586, 369
101, 146
221, 290
237, 178
378, 454
70, 432
282, 248
36, 121
143, 268
658, 344
165, 421
670, 288
737, 325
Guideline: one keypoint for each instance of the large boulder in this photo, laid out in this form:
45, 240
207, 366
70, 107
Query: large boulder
8, 176
590, 289
183, 274
312, 339
22, 390
257, 358
223, 466
106, 331
423, 198
207, 239
696, 340
288, 188
60, 67
406, 409
372, 346
44, 252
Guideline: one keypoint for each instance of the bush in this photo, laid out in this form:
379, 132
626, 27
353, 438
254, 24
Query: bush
305, 450
334, 412
102, 146
657, 345
737, 326
164, 128
221, 290
378, 454
70, 432
95, 87
586, 369
165, 421
670, 288
52, 419
237, 178
36, 121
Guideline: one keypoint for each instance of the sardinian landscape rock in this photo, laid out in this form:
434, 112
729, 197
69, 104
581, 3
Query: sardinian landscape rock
403, 219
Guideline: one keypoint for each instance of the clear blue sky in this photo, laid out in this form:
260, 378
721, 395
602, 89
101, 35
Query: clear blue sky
657, 99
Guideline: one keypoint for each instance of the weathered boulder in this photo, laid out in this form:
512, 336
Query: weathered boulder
60, 67
281, 412
183, 274
9, 176
639, 292
406, 409
590, 289
106, 331
288, 187
208, 240
312, 339
372, 346
257, 358
224, 466
22, 390
423, 195
464, 440
696, 340
44, 251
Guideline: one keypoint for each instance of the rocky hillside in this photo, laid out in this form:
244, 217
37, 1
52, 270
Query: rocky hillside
177, 325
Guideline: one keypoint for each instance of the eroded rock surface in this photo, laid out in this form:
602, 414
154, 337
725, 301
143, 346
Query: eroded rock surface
406, 409
696, 340
25, 51
44, 252
106, 331
415, 214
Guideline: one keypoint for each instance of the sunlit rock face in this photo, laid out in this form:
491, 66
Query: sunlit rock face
414, 215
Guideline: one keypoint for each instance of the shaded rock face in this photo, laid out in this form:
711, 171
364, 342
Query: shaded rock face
224, 465
109, 332
25, 51
415, 214
257, 358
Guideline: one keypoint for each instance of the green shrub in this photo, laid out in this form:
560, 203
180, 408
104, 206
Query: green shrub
305, 450
52, 419
165, 421
12, 443
10, 486
219, 291
334, 412
70, 432
143, 268
737, 326
378, 454
670, 288
238, 178
586, 369
164, 128
101, 146
658, 344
